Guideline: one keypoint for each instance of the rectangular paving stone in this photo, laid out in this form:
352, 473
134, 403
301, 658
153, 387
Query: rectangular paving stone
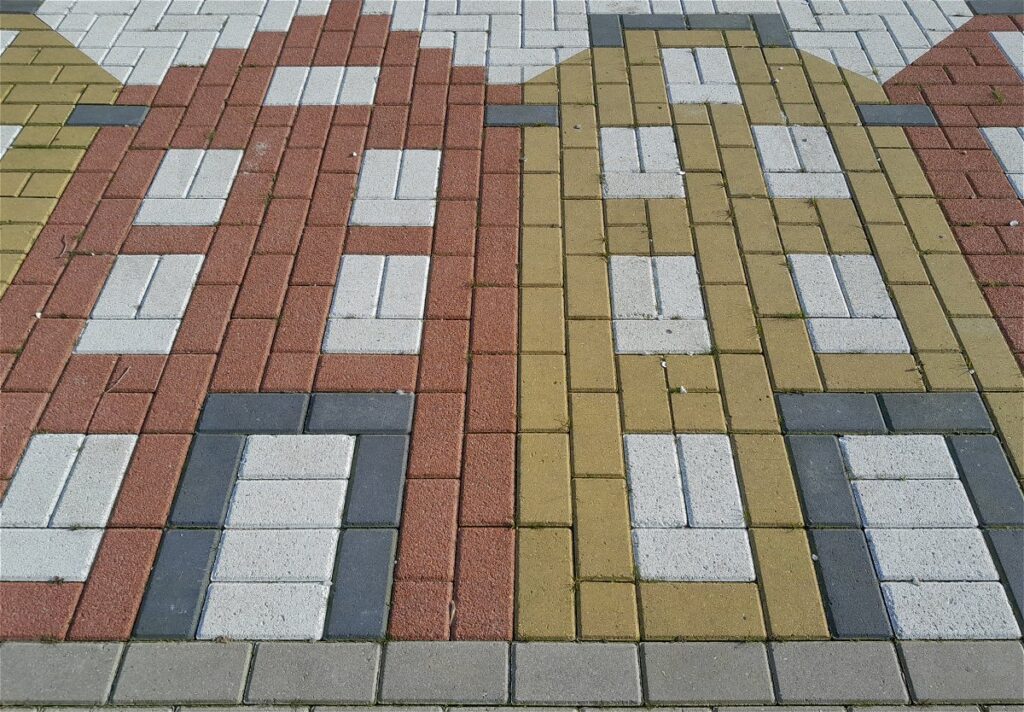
950, 610
985, 470
605, 31
445, 672
375, 487
994, 7
1008, 545
965, 671
23, 7
253, 413
205, 487
824, 487
654, 22
693, 673
831, 413
358, 608
708, 21
936, 412
313, 672
183, 672
577, 673
896, 115
360, 413
772, 30
850, 584
521, 115
177, 585
107, 115
838, 671
44, 673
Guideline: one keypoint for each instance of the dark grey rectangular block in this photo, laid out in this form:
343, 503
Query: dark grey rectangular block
577, 673
987, 474
996, 7
965, 671
851, 588
824, 487
313, 672
772, 30
713, 21
936, 412
205, 488
1009, 548
699, 673
177, 585
521, 115
375, 487
606, 31
896, 115
57, 673
657, 21
107, 115
360, 595
836, 413
253, 413
183, 672
838, 671
20, 7
360, 413
445, 672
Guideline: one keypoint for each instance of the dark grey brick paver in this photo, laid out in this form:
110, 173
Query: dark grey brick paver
205, 488
605, 31
707, 672
996, 7
375, 487
107, 115
67, 673
896, 115
177, 584
197, 672
994, 489
772, 30
657, 21
314, 672
965, 671
360, 413
936, 412
838, 671
253, 413
445, 672
362, 584
521, 115
824, 487
831, 413
710, 21
21, 7
851, 587
1009, 547
580, 673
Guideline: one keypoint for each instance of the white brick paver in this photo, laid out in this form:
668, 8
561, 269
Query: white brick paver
190, 188
931, 555
6, 38
799, 162
700, 76
640, 163
271, 555
8, 132
322, 86
278, 504
298, 457
881, 457
264, 611
1012, 44
397, 187
693, 554
953, 610
1008, 145
913, 503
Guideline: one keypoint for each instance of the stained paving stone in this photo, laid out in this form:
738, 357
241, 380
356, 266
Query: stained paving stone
445, 672
107, 115
196, 672
360, 413
818, 465
253, 413
994, 489
313, 672
694, 673
177, 585
936, 412
838, 671
896, 115
1008, 545
516, 115
375, 486
361, 590
43, 673
850, 584
577, 673
964, 671
831, 413
206, 483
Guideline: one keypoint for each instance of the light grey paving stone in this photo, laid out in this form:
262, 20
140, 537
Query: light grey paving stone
965, 671
282, 504
785, 708
125, 287
865, 291
917, 708
931, 555
375, 487
127, 336
664, 336
1009, 545
831, 413
177, 585
577, 673
361, 413
66, 673
253, 413
807, 185
390, 708
183, 672
171, 287
887, 457
205, 487
709, 481
952, 610
824, 487
362, 584
850, 585
655, 487
264, 611
359, 282
271, 555
314, 672
693, 554
913, 503
180, 211
445, 672
39, 479
695, 673
632, 286
678, 287
985, 470
897, 114
95, 481
417, 181
286, 457
857, 336
42, 554
373, 336
838, 671
936, 412
404, 290
814, 276
107, 115
643, 185
520, 115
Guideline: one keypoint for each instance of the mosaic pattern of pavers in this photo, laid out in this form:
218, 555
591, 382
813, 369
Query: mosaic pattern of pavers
617, 337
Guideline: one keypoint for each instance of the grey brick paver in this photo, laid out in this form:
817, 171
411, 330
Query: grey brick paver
106, 115
445, 672
707, 672
520, 115
375, 486
818, 465
850, 584
936, 412
206, 673
205, 487
360, 413
897, 115
838, 671
987, 474
253, 412
314, 672
965, 671
362, 584
1008, 545
582, 673
43, 673
831, 413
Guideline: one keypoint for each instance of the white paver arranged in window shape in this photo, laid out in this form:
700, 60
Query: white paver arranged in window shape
8, 132
190, 187
1012, 44
141, 305
700, 76
799, 162
275, 560
657, 307
1008, 145
397, 188
322, 86
641, 163
846, 304
6, 38
687, 515
378, 305
938, 578
58, 504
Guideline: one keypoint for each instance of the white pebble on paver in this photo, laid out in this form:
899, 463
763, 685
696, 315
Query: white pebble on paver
880, 457
378, 305
397, 188
8, 132
640, 163
264, 611
141, 305
799, 162
322, 86
700, 76
58, 505
190, 188
950, 611
298, 457
657, 306
1008, 145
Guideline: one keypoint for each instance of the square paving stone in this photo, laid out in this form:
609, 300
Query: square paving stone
44, 673
577, 673
360, 413
253, 413
831, 413
965, 671
445, 672
838, 671
936, 412
692, 673
183, 672
314, 672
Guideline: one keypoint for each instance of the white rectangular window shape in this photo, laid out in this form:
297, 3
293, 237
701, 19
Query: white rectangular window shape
397, 188
799, 162
700, 76
322, 86
641, 163
190, 188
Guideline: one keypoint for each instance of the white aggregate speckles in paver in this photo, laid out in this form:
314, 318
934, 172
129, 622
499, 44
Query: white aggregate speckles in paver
686, 554
190, 187
700, 76
47, 554
271, 555
296, 457
640, 163
931, 555
799, 162
655, 486
8, 132
709, 481
39, 480
678, 336
881, 457
1012, 44
92, 488
949, 611
141, 305
857, 336
322, 86
281, 504
378, 305
397, 187
264, 611
1008, 145
913, 503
